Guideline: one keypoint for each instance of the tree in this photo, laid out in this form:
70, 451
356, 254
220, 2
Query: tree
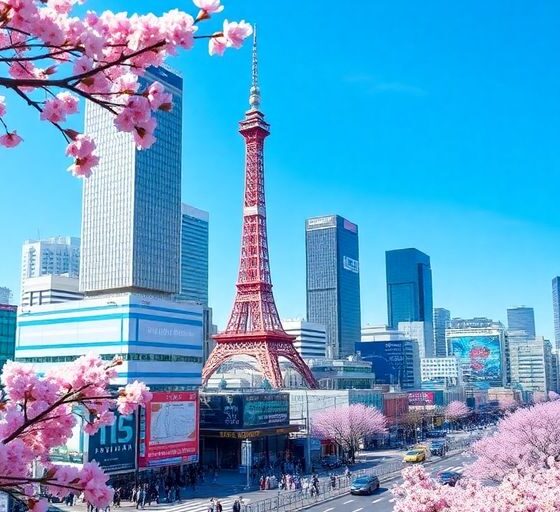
526, 438
38, 414
347, 426
456, 410
50, 59
539, 397
552, 395
507, 404
530, 489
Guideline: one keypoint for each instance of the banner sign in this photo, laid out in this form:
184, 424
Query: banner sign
169, 429
237, 411
421, 398
113, 447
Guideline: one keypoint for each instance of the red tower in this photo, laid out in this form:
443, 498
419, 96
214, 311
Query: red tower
254, 327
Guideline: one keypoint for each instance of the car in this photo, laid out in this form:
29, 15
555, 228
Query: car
449, 478
414, 456
364, 485
331, 462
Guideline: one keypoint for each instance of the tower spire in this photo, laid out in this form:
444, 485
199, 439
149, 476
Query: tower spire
255, 93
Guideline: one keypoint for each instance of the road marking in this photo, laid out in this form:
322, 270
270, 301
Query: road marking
377, 500
346, 502
358, 509
391, 500
328, 509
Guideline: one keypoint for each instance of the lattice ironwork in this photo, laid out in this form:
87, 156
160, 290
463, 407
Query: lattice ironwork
254, 328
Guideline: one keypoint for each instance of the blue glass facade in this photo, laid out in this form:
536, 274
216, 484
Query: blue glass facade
522, 318
333, 281
409, 286
194, 255
393, 362
8, 315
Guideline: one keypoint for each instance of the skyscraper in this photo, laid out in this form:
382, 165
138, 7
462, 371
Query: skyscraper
194, 254
556, 306
131, 210
522, 318
442, 317
50, 256
5, 295
333, 281
8, 315
409, 286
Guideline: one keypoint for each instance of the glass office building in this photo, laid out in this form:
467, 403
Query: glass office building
522, 318
8, 315
132, 203
333, 281
409, 286
194, 254
442, 317
556, 309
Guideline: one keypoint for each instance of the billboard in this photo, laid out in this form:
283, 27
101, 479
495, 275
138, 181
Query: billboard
416, 398
113, 447
238, 411
266, 410
480, 359
169, 429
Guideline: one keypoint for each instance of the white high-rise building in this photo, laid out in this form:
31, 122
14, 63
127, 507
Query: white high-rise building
49, 290
51, 256
436, 369
131, 211
527, 363
311, 338
423, 333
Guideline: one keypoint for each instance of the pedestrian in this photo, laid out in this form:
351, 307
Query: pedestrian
219, 507
211, 507
347, 472
333, 481
261, 483
236, 506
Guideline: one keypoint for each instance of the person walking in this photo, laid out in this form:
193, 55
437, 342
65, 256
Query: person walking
211, 507
236, 506
219, 507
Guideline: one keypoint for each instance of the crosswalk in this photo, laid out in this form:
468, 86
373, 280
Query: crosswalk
192, 505
456, 469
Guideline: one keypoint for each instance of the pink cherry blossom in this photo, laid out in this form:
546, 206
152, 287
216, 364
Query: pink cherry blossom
217, 45
210, 6
456, 410
236, 32
10, 140
348, 425
62, 56
82, 149
131, 396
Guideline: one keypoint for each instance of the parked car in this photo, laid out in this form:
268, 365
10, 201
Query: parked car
414, 456
331, 462
449, 478
364, 485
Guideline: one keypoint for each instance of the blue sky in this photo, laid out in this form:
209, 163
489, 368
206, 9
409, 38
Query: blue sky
430, 125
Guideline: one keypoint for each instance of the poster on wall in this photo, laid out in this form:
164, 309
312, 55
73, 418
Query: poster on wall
416, 398
480, 358
113, 447
266, 410
169, 429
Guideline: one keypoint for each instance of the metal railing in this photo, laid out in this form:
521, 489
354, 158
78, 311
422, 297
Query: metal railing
287, 501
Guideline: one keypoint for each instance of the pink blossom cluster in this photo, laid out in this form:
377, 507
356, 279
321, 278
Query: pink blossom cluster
529, 489
99, 57
527, 437
348, 425
456, 410
38, 414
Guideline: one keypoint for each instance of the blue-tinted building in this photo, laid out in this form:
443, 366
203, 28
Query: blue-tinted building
194, 255
333, 281
409, 287
131, 208
8, 315
395, 362
522, 318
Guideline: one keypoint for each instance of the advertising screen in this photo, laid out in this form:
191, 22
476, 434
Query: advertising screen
268, 410
480, 359
169, 429
221, 411
113, 447
421, 398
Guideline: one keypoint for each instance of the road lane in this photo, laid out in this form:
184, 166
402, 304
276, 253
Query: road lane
382, 500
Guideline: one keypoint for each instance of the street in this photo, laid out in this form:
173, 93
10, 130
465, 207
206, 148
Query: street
382, 500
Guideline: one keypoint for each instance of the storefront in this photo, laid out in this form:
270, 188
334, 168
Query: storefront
227, 419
